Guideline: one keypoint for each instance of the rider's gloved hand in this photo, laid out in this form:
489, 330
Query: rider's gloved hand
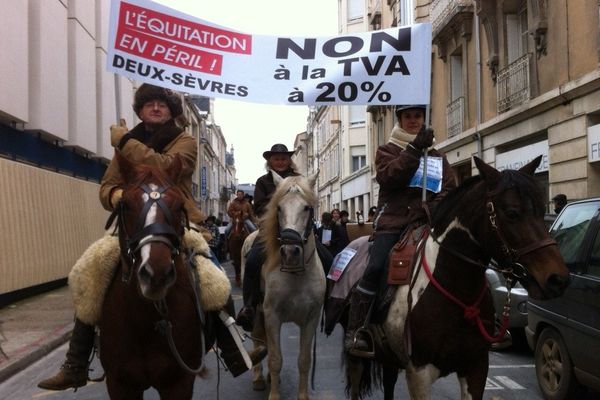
117, 132
423, 139
115, 197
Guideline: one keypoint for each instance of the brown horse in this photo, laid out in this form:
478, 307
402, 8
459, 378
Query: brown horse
443, 322
151, 329
238, 234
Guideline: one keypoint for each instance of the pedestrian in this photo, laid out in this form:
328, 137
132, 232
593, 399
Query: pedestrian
371, 215
215, 240
155, 141
344, 219
329, 234
560, 201
399, 205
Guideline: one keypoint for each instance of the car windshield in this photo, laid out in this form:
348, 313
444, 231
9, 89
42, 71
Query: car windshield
571, 228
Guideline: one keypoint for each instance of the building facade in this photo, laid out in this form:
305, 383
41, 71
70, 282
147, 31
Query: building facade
57, 102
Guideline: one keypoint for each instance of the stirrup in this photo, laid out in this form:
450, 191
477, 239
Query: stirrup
368, 338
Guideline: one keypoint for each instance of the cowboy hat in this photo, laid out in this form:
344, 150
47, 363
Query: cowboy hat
277, 149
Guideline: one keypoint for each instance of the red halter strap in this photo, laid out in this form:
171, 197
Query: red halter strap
470, 313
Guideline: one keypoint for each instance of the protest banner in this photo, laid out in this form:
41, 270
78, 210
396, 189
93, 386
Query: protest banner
152, 43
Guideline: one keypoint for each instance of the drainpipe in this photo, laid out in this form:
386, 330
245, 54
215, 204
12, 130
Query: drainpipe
477, 135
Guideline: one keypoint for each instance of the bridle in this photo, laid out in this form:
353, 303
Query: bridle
511, 268
154, 233
510, 265
288, 237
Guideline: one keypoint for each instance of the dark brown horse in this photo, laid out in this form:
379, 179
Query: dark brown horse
443, 322
238, 234
149, 317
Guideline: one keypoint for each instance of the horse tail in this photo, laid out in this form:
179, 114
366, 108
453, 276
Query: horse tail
369, 372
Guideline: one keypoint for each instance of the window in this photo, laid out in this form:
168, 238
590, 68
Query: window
516, 34
358, 157
357, 115
456, 79
380, 132
356, 9
573, 226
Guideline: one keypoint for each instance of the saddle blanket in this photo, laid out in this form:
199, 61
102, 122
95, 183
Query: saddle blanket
92, 274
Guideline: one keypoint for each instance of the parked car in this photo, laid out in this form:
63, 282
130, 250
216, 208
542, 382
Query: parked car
565, 332
517, 316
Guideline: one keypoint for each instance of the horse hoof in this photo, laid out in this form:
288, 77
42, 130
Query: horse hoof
259, 385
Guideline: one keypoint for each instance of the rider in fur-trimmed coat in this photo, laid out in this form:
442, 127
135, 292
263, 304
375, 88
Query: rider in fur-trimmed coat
155, 142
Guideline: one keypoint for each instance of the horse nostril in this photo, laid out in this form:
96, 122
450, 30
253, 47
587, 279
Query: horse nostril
171, 276
145, 273
297, 250
557, 283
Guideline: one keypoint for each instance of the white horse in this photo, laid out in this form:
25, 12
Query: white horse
292, 277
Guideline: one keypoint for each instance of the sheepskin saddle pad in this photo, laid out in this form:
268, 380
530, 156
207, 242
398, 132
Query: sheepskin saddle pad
92, 274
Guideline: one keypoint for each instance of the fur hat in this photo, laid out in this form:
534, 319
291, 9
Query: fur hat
147, 92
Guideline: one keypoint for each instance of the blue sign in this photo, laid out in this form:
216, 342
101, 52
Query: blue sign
203, 182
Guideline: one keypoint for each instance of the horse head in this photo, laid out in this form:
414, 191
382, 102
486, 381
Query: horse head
151, 224
503, 213
288, 222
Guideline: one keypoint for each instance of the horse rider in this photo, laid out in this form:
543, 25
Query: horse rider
240, 207
278, 161
155, 142
399, 205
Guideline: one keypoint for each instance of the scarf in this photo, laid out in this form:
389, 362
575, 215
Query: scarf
400, 137
158, 139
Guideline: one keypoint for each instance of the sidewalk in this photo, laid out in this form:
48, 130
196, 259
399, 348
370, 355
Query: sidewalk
32, 328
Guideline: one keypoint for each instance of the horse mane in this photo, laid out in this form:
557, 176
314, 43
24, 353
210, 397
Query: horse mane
269, 226
525, 185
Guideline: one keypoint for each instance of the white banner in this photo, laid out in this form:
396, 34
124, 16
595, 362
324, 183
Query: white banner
155, 44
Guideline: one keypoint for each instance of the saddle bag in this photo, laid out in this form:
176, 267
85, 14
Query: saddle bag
402, 257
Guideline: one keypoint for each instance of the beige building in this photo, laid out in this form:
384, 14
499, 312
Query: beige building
510, 86
57, 102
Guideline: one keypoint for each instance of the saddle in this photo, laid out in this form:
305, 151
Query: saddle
401, 262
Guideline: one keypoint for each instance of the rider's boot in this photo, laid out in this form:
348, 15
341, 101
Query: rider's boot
74, 371
235, 356
358, 342
250, 288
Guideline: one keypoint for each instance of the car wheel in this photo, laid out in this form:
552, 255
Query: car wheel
553, 367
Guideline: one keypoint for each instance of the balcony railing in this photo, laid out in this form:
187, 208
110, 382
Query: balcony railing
441, 11
455, 112
512, 85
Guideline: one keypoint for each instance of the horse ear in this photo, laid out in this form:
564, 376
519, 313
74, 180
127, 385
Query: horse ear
490, 174
312, 180
174, 169
126, 167
276, 178
530, 168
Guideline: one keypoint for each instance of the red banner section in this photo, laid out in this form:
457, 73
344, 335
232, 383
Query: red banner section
142, 20
167, 52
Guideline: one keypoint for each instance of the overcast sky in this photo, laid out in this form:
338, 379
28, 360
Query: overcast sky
250, 127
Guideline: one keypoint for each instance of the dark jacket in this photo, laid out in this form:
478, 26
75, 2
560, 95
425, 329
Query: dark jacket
399, 204
264, 189
334, 246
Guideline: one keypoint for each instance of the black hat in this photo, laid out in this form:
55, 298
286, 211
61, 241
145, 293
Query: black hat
147, 92
560, 199
399, 108
277, 149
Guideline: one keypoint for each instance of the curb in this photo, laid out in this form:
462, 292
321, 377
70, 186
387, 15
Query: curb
19, 364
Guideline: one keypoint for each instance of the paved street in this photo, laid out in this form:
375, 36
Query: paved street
511, 376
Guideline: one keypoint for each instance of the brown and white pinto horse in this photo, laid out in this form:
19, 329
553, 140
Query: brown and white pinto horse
443, 321
152, 291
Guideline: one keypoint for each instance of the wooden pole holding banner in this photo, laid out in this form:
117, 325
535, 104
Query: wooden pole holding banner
118, 97
424, 193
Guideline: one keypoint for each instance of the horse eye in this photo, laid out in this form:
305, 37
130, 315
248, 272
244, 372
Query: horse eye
512, 214
306, 208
